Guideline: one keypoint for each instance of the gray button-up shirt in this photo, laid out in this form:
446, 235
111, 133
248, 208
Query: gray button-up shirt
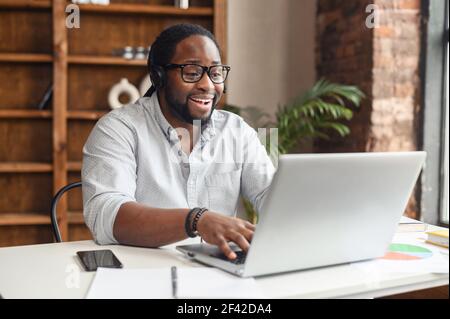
134, 154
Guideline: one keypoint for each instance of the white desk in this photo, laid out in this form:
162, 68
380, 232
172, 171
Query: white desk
51, 270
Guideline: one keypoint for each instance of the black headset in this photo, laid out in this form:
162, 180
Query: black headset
158, 76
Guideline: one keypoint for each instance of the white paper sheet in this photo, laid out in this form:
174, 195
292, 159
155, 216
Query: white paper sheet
199, 282
438, 262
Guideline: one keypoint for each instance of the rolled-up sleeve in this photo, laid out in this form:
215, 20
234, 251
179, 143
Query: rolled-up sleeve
108, 175
257, 170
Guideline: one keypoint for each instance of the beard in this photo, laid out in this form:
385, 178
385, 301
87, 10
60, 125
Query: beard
181, 109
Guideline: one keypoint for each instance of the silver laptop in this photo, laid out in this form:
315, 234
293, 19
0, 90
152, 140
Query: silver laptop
324, 209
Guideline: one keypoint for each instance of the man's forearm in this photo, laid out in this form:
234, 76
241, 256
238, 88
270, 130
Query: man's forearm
140, 225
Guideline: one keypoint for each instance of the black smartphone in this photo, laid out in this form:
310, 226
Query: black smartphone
93, 259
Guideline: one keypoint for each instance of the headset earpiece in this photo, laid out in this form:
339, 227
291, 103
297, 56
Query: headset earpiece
158, 76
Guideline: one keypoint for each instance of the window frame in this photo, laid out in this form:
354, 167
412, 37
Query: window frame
434, 48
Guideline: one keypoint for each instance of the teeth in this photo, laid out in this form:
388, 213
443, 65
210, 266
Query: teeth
201, 100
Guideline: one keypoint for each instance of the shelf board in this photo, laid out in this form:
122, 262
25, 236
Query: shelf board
25, 167
124, 8
46, 114
13, 219
24, 114
26, 57
25, 4
104, 60
75, 217
85, 115
74, 166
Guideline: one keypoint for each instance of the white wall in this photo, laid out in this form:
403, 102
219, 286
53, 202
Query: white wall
271, 46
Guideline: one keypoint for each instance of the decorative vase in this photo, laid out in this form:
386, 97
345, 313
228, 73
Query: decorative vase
123, 87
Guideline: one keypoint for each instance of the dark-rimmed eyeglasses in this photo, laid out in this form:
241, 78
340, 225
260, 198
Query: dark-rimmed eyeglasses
192, 73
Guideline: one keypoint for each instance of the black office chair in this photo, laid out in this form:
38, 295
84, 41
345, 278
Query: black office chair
55, 201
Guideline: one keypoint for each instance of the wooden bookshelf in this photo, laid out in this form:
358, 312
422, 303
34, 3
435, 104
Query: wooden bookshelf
41, 150
104, 60
85, 115
24, 114
25, 167
74, 166
14, 219
76, 217
23, 57
143, 9
25, 4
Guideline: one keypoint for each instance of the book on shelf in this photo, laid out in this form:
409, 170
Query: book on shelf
46, 98
438, 237
407, 224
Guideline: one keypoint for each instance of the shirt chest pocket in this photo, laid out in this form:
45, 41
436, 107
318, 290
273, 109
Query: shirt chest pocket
223, 191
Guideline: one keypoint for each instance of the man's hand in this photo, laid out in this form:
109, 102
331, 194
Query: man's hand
218, 230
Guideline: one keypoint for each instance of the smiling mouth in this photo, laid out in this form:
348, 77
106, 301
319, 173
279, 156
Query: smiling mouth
201, 105
201, 101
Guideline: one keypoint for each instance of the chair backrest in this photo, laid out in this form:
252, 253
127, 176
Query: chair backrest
55, 201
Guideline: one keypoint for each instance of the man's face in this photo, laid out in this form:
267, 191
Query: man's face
195, 101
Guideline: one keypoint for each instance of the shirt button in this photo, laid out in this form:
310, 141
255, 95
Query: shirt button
179, 153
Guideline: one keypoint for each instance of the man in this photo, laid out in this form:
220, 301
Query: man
158, 171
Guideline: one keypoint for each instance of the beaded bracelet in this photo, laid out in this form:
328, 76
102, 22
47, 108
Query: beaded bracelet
196, 219
187, 222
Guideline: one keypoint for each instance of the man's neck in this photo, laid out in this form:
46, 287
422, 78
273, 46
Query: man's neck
177, 124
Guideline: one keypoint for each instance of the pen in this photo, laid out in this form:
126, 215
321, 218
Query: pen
174, 282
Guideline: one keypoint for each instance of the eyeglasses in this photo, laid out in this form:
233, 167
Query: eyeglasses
192, 73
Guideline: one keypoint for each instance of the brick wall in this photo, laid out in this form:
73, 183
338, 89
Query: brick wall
396, 84
344, 55
384, 62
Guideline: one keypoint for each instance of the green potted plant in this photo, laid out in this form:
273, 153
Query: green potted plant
311, 115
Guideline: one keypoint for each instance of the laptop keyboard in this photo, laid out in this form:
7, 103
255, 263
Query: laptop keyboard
240, 259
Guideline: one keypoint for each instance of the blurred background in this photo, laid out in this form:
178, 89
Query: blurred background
359, 75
